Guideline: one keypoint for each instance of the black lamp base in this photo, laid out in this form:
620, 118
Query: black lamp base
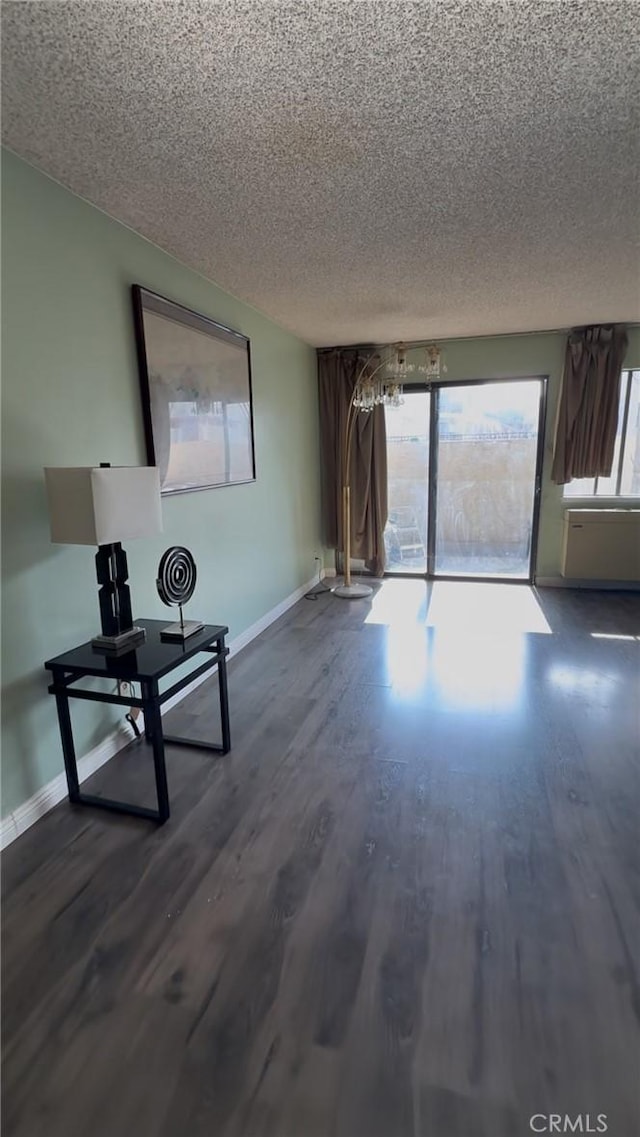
119, 634
117, 645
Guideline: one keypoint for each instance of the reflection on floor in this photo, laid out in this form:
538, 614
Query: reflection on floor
404, 904
465, 643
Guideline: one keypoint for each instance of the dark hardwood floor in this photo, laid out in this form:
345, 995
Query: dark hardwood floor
406, 903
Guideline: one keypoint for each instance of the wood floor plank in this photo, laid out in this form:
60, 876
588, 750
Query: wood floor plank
405, 903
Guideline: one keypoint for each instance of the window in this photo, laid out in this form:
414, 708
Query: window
624, 480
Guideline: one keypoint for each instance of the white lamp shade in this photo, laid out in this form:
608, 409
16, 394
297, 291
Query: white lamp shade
101, 505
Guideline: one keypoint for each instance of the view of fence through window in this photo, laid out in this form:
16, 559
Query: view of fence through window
405, 536
624, 480
487, 438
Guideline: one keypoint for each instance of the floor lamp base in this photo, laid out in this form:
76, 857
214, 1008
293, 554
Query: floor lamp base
352, 591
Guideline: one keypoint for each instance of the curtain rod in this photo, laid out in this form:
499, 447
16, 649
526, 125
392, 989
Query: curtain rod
411, 344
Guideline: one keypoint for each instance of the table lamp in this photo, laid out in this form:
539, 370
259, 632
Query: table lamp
105, 505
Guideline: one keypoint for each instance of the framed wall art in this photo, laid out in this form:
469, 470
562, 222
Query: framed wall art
195, 381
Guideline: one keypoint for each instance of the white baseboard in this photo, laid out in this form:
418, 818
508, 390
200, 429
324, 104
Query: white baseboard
55, 791
605, 585
25, 815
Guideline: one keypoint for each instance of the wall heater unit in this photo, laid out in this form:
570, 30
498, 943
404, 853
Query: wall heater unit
601, 544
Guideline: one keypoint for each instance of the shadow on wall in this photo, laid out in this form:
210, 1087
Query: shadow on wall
25, 523
25, 545
19, 732
49, 602
29, 610
22, 733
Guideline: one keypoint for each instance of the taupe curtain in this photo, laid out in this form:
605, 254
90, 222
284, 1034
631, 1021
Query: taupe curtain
338, 371
588, 411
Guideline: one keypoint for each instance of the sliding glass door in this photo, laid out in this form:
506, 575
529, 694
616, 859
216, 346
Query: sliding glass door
486, 478
405, 536
464, 464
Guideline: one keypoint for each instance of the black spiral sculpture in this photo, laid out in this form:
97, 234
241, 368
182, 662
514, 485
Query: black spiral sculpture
176, 576
175, 583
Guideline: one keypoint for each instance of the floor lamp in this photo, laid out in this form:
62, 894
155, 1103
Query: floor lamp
370, 391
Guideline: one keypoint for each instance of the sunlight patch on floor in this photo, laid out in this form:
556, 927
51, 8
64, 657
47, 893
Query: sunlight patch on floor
459, 607
463, 672
399, 602
487, 609
406, 659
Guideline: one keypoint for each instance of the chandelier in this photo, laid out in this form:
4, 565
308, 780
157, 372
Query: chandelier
379, 383
384, 385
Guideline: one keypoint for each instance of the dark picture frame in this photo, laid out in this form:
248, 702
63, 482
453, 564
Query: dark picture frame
197, 399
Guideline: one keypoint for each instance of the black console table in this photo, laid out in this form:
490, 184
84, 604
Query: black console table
146, 665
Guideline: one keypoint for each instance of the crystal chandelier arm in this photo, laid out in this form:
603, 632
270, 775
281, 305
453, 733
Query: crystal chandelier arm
353, 412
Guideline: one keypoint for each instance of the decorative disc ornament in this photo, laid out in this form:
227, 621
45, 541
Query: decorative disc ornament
176, 583
176, 576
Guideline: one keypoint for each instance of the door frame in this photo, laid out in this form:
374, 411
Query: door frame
432, 478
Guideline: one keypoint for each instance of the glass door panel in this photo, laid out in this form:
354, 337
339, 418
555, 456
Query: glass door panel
630, 473
486, 462
405, 536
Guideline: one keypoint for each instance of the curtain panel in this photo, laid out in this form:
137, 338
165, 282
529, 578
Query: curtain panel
338, 371
588, 410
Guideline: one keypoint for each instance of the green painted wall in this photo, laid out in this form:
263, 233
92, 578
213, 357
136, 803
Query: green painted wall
70, 397
503, 357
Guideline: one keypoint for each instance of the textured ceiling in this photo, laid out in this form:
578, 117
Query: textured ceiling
359, 171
